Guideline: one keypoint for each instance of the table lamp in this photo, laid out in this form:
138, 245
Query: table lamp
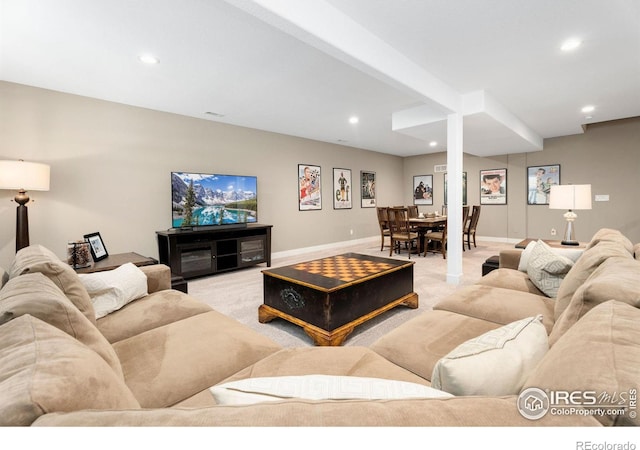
570, 197
23, 176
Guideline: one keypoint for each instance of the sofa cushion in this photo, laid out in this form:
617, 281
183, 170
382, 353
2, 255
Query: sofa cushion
617, 278
149, 312
495, 363
583, 268
421, 342
611, 235
37, 258
318, 387
44, 370
110, 290
511, 279
498, 305
36, 295
547, 269
600, 353
636, 251
571, 253
168, 364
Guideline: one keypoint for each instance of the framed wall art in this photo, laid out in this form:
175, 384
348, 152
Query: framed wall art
493, 187
309, 187
367, 189
464, 188
342, 188
423, 190
98, 249
539, 182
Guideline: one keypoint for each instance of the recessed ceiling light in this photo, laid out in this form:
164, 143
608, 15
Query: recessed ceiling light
433, 144
353, 119
570, 44
588, 109
148, 59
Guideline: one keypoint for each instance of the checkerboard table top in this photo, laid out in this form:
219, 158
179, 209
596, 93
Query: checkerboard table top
337, 271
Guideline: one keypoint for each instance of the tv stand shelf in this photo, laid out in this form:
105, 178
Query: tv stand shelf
201, 251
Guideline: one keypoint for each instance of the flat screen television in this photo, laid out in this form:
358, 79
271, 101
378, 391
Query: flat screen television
202, 199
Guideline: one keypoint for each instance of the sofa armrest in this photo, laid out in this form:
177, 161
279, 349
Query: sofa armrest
158, 277
509, 259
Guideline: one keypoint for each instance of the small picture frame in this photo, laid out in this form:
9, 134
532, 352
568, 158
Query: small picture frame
539, 182
342, 188
423, 190
98, 249
367, 189
493, 187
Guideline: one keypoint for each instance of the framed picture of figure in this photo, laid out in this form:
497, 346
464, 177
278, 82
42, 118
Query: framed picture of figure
493, 187
342, 188
539, 182
423, 190
464, 188
367, 189
309, 187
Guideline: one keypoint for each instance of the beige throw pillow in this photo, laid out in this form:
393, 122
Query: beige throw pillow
547, 269
318, 387
572, 253
112, 289
495, 363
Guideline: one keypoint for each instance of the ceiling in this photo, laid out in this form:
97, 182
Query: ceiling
303, 68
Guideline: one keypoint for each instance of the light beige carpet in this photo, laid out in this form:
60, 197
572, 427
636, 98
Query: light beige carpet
238, 294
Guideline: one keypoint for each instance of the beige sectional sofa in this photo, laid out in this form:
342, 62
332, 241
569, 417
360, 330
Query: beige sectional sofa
498, 345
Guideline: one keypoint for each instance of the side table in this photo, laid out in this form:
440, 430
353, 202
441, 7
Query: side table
114, 261
550, 243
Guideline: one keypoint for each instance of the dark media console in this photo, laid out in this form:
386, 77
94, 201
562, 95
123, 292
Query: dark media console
201, 251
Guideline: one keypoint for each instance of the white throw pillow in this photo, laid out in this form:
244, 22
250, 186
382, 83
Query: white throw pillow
318, 387
572, 253
546, 269
112, 289
495, 363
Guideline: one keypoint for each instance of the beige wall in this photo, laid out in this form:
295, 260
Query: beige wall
111, 164
110, 167
607, 156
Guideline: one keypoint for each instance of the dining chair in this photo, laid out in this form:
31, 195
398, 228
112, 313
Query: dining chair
400, 230
440, 238
465, 219
470, 230
383, 222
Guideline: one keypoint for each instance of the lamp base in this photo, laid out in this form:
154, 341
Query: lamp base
570, 243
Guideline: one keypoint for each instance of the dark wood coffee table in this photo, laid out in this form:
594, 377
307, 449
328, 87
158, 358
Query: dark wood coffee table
329, 297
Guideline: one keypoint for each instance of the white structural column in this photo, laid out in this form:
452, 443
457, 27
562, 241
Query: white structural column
454, 198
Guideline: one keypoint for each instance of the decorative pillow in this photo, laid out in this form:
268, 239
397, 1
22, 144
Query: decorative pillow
318, 387
112, 289
45, 370
572, 253
547, 269
495, 363
37, 258
38, 296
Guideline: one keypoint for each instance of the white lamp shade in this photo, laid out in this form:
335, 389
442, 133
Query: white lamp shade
570, 196
29, 176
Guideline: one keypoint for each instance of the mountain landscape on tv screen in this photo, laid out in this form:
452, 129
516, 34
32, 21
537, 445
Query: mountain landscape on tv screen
215, 199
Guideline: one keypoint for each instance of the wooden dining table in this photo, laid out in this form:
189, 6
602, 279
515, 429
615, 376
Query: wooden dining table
423, 225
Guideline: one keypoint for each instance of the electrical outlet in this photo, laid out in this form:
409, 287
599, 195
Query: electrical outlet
351, 232
553, 232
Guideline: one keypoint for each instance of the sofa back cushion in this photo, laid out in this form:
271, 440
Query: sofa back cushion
600, 353
36, 295
610, 235
45, 370
636, 251
583, 268
37, 258
617, 278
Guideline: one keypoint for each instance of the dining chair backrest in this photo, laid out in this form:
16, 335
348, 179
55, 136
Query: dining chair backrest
413, 211
475, 216
383, 216
399, 220
465, 216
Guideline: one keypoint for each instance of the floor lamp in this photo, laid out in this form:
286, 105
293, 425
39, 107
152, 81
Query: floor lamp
570, 197
23, 176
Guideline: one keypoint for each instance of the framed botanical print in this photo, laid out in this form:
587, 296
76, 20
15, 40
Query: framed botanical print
342, 188
423, 190
539, 182
493, 187
464, 188
367, 189
309, 187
